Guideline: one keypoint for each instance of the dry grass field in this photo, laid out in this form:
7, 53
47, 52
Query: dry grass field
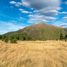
33, 54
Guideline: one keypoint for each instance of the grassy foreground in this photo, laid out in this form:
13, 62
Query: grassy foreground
33, 54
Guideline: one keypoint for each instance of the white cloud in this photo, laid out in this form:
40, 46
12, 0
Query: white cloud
61, 22
59, 8
9, 26
36, 19
12, 2
63, 25
48, 12
39, 4
65, 2
64, 12
45, 10
24, 3
40, 18
17, 4
44, 4
45, 7
50, 18
24, 11
65, 17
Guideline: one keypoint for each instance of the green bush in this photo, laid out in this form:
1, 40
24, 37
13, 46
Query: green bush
0, 37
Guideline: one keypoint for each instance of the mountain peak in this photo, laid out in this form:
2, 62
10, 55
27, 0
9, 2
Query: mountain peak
39, 31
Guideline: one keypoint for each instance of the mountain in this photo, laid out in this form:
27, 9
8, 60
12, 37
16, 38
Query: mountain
39, 31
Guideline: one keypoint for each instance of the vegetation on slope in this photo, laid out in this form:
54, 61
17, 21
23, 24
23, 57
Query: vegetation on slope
36, 32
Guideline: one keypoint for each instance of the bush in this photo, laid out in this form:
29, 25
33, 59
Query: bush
0, 37
13, 40
6, 40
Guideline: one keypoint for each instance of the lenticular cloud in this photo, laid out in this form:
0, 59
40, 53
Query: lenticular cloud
47, 8
39, 4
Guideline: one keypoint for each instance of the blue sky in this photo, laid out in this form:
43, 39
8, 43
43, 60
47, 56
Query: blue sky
17, 14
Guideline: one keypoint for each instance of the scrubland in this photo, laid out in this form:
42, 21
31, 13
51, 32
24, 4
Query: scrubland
33, 54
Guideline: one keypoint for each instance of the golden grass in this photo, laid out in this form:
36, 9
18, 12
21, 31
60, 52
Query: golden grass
33, 54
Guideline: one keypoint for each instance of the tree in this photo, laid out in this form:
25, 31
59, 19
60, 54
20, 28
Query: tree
61, 36
65, 37
13, 40
0, 37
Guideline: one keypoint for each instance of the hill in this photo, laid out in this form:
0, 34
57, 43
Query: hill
39, 31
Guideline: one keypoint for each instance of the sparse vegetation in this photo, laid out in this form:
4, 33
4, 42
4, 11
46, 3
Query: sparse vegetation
33, 54
36, 32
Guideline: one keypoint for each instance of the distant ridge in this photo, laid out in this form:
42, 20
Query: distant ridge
39, 31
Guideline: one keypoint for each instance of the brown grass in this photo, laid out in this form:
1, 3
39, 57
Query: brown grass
33, 54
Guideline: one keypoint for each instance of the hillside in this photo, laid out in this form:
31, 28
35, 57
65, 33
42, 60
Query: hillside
36, 32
